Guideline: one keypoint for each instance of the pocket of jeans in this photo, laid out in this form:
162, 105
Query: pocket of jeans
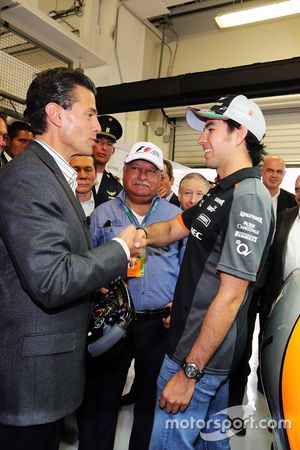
211, 383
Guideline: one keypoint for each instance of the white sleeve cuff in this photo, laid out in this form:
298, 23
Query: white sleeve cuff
124, 245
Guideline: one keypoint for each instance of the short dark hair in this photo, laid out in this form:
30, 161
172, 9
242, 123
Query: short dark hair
169, 168
255, 148
53, 85
16, 126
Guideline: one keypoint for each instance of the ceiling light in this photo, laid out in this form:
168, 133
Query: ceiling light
259, 13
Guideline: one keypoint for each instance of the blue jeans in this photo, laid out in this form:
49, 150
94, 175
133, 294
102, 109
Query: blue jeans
193, 428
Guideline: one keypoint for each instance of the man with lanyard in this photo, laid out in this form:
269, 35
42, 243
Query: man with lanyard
107, 185
228, 236
151, 283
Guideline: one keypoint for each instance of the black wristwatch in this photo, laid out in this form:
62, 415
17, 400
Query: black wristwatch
191, 370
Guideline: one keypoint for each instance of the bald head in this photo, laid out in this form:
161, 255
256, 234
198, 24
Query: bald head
297, 190
273, 171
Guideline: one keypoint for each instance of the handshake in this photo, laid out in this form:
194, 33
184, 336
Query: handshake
135, 239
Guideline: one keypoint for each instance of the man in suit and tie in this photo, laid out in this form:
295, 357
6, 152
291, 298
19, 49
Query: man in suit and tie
49, 268
285, 250
107, 185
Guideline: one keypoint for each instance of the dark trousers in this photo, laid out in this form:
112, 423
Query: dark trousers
35, 437
239, 376
106, 377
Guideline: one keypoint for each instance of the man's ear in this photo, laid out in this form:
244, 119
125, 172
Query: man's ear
241, 133
54, 113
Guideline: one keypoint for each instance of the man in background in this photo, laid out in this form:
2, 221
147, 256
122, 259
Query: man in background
19, 136
273, 172
151, 282
107, 185
192, 187
167, 181
86, 177
285, 251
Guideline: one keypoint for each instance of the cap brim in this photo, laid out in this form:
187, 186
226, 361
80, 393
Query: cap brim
106, 136
196, 118
128, 160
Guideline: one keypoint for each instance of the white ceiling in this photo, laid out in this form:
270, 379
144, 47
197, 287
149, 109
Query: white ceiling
185, 17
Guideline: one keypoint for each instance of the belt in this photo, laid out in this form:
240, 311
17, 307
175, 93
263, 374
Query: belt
149, 314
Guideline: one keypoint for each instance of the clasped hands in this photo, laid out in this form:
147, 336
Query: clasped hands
135, 240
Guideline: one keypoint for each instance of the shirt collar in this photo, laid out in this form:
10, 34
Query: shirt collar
238, 176
8, 158
68, 172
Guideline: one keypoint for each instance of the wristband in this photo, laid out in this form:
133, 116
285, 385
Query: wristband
145, 231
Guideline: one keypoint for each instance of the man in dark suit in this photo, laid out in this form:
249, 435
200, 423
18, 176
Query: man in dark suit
107, 185
167, 181
48, 266
285, 250
273, 172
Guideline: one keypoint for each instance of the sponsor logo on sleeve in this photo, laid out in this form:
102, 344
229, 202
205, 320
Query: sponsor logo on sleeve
204, 219
246, 236
249, 227
242, 248
211, 208
219, 201
251, 216
197, 234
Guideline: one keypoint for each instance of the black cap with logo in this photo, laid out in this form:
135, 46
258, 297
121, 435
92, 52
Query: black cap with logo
111, 128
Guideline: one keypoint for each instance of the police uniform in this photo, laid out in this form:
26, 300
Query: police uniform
110, 186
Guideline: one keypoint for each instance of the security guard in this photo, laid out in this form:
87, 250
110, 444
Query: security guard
107, 185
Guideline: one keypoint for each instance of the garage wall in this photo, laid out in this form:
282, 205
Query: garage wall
282, 136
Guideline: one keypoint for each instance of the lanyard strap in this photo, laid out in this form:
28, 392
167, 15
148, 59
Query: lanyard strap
132, 217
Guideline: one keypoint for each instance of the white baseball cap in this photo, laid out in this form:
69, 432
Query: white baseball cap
236, 107
148, 152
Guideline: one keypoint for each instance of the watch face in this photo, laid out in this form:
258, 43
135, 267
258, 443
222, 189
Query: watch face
191, 370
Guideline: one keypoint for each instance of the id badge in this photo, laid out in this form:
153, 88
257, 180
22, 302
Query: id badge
136, 266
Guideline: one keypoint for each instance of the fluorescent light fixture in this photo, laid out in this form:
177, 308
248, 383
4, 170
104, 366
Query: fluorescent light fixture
259, 13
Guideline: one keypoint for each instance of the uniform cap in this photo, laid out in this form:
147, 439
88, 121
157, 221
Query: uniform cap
110, 128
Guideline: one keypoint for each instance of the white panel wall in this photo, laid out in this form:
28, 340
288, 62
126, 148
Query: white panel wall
282, 138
